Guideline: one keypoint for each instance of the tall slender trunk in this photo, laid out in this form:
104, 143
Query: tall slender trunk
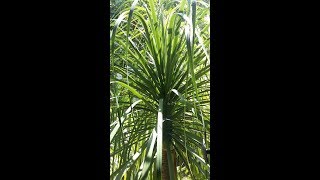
167, 129
165, 164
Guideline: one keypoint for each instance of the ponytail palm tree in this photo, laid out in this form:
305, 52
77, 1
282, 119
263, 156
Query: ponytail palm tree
160, 90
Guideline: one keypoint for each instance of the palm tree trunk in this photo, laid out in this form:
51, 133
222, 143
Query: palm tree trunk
165, 164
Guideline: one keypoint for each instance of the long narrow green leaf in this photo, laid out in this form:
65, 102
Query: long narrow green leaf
116, 128
183, 157
159, 140
124, 168
149, 155
170, 163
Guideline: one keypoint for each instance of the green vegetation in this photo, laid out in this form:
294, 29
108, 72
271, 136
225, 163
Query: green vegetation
160, 89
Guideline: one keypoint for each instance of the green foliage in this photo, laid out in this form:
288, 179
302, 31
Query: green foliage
160, 88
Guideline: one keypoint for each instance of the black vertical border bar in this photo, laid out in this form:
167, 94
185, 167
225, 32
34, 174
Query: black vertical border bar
102, 23
217, 89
